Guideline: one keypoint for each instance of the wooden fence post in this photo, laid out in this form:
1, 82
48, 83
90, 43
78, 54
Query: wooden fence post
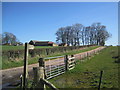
41, 62
74, 59
101, 72
72, 55
25, 66
42, 72
38, 74
66, 62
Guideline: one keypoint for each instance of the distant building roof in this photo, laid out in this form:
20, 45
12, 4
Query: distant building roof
49, 42
39, 41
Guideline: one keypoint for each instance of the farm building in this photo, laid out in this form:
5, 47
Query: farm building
42, 43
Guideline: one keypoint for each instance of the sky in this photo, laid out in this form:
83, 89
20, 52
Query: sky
40, 20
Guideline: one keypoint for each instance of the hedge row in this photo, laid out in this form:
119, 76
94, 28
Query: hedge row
13, 54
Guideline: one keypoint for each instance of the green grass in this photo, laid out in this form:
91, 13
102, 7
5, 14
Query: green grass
73, 52
6, 47
86, 73
10, 64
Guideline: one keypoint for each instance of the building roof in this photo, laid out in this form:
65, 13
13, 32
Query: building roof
49, 42
39, 41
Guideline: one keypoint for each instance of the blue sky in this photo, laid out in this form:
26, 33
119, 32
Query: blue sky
40, 20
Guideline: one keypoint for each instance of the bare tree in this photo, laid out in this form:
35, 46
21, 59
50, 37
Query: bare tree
70, 35
104, 35
61, 35
83, 35
101, 34
77, 33
77, 28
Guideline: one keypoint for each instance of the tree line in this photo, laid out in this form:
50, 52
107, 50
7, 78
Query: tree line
78, 34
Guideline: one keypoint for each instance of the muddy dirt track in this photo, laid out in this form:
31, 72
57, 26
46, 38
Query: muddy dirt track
13, 74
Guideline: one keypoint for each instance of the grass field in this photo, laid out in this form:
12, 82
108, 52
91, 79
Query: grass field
10, 64
86, 73
6, 48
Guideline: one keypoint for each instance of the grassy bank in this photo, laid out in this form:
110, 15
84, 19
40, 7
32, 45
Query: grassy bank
10, 64
86, 73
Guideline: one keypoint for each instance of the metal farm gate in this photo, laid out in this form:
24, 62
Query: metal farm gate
58, 65
54, 68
